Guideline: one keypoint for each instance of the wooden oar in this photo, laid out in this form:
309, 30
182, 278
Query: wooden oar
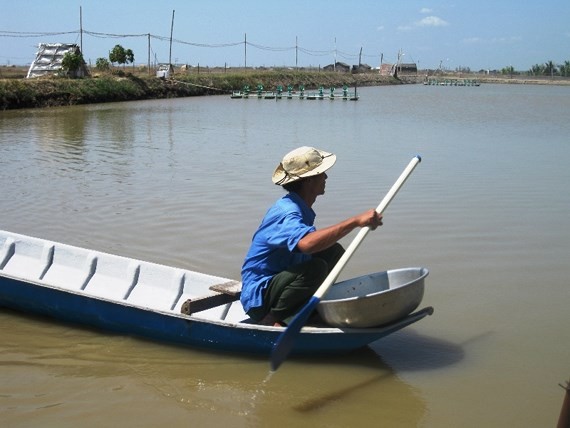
285, 342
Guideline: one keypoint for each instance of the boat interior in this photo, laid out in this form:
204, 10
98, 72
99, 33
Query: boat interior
116, 278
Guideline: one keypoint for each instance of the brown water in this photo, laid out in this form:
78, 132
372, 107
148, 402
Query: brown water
185, 182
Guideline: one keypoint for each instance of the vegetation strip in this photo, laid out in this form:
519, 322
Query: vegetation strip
125, 86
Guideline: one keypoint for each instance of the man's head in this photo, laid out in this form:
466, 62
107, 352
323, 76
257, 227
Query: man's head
301, 163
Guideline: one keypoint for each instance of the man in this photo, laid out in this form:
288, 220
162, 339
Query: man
289, 258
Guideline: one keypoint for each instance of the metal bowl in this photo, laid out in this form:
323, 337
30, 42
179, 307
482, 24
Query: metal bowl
373, 300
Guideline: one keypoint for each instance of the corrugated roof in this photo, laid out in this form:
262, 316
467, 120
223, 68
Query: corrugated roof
49, 57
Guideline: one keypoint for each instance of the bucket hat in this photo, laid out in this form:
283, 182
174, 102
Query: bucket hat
302, 162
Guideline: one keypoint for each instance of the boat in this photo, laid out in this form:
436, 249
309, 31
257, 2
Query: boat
154, 301
301, 94
451, 82
244, 93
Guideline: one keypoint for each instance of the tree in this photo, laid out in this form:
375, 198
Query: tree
510, 70
121, 56
102, 64
565, 68
72, 63
130, 56
550, 69
537, 70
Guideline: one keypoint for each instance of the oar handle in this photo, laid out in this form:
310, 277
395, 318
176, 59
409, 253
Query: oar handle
335, 272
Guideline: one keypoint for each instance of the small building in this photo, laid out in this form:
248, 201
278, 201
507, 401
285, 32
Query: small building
387, 69
361, 68
49, 57
338, 66
398, 70
407, 69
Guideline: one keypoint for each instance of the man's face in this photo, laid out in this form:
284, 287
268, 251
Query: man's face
318, 183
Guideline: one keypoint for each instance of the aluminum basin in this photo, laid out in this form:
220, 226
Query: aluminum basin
373, 300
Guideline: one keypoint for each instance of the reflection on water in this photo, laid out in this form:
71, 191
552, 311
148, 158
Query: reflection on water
185, 182
128, 378
410, 351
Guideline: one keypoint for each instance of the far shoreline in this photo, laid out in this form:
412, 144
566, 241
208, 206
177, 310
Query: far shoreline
518, 80
129, 84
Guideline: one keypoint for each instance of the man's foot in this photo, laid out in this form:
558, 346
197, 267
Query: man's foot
269, 319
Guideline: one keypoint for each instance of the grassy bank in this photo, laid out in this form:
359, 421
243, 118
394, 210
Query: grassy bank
133, 84
125, 86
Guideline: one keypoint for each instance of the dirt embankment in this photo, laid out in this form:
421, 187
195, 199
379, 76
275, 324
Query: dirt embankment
57, 91
17, 92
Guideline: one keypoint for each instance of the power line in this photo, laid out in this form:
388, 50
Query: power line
316, 53
23, 34
115, 36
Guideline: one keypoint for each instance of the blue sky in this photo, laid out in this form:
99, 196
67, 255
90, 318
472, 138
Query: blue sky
478, 34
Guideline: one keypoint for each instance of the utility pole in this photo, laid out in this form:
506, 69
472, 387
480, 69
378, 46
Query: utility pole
245, 50
171, 30
334, 65
81, 30
296, 53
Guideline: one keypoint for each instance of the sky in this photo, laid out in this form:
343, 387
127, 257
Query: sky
475, 34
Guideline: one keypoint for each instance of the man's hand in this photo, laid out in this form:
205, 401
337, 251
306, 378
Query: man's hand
321, 239
370, 218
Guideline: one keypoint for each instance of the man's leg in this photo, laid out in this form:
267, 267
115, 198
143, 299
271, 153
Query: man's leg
290, 290
331, 255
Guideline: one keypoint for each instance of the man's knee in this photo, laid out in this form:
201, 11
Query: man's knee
317, 269
331, 255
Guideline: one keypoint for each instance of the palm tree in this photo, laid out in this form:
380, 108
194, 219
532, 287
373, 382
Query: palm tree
550, 68
565, 68
537, 70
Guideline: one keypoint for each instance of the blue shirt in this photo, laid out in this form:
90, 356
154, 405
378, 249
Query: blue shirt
274, 246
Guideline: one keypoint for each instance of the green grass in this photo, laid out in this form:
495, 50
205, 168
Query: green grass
127, 86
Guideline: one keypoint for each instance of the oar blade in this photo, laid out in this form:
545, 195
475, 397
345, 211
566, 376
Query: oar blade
286, 340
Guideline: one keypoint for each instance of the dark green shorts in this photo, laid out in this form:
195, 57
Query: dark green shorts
291, 289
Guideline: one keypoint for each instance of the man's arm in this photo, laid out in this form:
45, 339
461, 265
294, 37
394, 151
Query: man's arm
322, 239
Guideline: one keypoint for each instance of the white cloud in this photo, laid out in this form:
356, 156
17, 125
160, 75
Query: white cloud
508, 40
494, 40
428, 21
425, 10
432, 21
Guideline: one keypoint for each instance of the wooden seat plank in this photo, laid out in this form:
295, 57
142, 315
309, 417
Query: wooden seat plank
226, 292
